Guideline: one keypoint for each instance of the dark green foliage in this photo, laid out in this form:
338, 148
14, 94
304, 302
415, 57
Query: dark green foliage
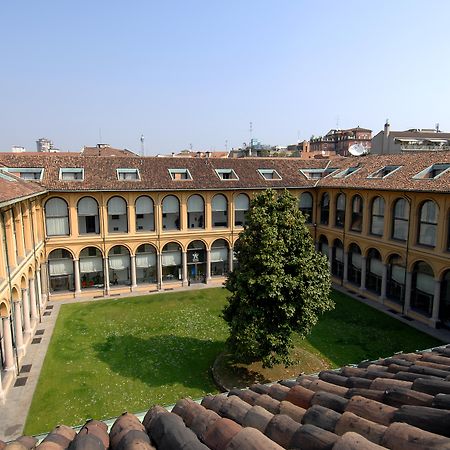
281, 284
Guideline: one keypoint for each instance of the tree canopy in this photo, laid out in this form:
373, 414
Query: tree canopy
280, 284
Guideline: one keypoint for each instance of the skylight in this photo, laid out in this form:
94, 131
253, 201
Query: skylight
384, 172
433, 172
71, 174
269, 174
317, 174
128, 174
180, 174
27, 173
226, 174
346, 172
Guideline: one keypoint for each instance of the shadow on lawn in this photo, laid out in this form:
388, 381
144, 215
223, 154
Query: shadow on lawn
161, 360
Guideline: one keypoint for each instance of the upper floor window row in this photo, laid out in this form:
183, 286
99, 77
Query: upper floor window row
346, 172
317, 174
226, 174
128, 174
384, 172
27, 173
432, 172
269, 174
71, 174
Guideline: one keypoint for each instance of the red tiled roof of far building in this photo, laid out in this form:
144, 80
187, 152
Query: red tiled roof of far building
13, 188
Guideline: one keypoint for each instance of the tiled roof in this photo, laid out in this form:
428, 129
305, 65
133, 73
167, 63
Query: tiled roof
402, 402
12, 187
100, 173
106, 151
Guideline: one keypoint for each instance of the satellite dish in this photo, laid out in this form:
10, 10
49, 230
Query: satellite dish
357, 150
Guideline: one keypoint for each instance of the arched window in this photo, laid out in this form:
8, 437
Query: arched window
448, 231
374, 272
428, 218
241, 207
444, 304
219, 258
422, 292
340, 211
400, 217
196, 212
196, 261
91, 268
117, 215
354, 264
60, 270
324, 209
219, 211
171, 262
395, 288
306, 206
171, 213
145, 219
146, 264
377, 216
119, 266
88, 221
57, 217
357, 213
323, 245
337, 264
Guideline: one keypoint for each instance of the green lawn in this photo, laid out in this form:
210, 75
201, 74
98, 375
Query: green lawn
128, 354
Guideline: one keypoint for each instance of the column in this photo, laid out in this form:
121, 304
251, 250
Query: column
18, 328
330, 257
160, 273
76, 265
208, 265
39, 287
384, 282
7, 340
33, 306
106, 274
26, 311
184, 266
363, 272
408, 284
44, 282
133, 271
436, 300
230, 259
345, 276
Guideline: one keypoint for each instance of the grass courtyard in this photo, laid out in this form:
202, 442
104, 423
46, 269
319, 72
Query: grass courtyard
128, 354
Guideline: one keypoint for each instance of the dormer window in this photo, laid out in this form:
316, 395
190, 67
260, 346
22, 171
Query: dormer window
71, 174
180, 174
128, 174
27, 173
317, 174
432, 172
269, 174
346, 172
384, 172
226, 174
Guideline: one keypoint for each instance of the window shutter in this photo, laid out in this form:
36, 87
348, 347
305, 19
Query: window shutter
195, 204
88, 265
144, 205
119, 262
117, 206
144, 260
87, 206
219, 203
241, 203
170, 205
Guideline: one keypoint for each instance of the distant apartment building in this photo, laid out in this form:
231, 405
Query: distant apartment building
46, 146
412, 140
337, 142
18, 149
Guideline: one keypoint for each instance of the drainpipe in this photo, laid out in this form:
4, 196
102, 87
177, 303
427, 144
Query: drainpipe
10, 293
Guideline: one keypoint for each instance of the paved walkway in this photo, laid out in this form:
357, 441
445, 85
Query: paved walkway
18, 400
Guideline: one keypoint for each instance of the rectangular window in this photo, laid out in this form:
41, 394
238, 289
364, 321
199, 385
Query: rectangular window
317, 174
128, 174
27, 173
384, 172
226, 174
346, 172
269, 174
71, 174
432, 172
180, 174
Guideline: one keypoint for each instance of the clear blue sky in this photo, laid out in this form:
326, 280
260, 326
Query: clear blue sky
197, 72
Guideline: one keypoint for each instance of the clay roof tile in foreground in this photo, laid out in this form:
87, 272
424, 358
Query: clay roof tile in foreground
13, 188
367, 407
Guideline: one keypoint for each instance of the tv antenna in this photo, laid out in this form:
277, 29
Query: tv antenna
142, 145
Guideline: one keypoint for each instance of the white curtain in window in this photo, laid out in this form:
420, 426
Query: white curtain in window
144, 260
306, 200
117, 206
195, 204
398, 274
119, 262
87, 206
92, 264
429, 212
57, 226
60, 267
401, 209
219, 203
56, 207
376, 267
339, 254
241, 203
425, 283
219, 254
356, 260
171, 259
144, 205
170, 205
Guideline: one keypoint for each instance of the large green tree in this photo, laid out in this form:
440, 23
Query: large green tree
280, 285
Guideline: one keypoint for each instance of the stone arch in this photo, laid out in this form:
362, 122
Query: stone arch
4, 308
